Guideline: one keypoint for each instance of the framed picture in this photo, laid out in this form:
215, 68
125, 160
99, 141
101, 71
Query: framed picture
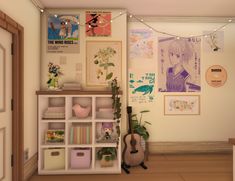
2, 153
103, 62
2, 78
181, 105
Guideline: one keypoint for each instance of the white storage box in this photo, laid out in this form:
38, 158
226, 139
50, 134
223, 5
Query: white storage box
54, 159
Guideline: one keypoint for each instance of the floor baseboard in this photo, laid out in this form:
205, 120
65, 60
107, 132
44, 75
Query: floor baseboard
30, 167
189, 147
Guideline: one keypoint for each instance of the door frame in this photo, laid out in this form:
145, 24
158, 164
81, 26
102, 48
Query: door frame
17, 32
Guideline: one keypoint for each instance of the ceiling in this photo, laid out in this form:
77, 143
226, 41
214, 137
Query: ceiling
154, 7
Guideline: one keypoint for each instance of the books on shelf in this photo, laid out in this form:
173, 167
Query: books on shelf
81, 134
72, 86
54, 113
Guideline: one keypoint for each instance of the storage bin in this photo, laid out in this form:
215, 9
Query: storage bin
81, 158
54, 159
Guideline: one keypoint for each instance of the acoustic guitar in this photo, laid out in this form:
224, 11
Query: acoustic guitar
133, 153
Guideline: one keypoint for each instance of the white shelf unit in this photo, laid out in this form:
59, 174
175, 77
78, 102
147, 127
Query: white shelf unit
98, 101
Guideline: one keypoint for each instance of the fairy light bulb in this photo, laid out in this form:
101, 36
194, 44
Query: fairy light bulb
89, 26
111, 21
55, 15
230, 21
130, 16
177, 37
41, 10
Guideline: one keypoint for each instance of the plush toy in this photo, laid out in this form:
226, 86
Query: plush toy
107, 128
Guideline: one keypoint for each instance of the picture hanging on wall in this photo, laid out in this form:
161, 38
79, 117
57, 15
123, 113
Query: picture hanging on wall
63, 34
141, 44
98, 23
2, 78
181, 105
179, 64
216, 76
103, 62
213, 42
141, 86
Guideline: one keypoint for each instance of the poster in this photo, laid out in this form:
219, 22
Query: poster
141, 44
179, 64
181, 105
141, 86
63, 34
98, 23
103, 62
213, 42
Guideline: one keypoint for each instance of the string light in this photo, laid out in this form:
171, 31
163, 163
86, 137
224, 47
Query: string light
144, 23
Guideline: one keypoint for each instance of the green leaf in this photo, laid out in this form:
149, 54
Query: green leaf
144, 111
111, 64
148, 122
109, 76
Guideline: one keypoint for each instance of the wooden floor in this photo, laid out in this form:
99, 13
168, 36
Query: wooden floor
200, 167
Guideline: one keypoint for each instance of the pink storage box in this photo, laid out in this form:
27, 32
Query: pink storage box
80, 158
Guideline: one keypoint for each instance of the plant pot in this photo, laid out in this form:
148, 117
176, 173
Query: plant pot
106, 163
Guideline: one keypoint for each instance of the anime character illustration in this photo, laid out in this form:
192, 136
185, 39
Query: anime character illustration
54, 73
62, 32
181, 74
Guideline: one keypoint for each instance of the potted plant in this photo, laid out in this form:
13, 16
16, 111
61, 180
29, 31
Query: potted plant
116, 105
139, 126
106, 155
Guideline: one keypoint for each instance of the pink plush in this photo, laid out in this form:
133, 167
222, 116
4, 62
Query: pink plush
81, 112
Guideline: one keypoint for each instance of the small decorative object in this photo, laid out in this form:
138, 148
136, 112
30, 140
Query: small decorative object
116, 105
106, 155
107, 129
139, 126
181, 105
54, 74
81, 112
216, 76
54, 136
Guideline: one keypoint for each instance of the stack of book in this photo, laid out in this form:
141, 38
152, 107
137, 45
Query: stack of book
54, 113
72, 86
80, 134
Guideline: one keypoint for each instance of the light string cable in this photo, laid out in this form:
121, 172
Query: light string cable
141, 20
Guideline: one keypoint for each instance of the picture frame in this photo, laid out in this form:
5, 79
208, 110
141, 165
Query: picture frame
2, 78
2, 153
181, 105
103, 62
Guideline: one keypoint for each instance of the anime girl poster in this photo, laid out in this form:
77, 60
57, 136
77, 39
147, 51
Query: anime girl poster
63, 34
141, 44
179, 64
98, 23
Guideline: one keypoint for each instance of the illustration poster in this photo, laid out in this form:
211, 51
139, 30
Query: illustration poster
98, 23
141, 86
141, 44
103, 62
213, 42
63, 34
179, 64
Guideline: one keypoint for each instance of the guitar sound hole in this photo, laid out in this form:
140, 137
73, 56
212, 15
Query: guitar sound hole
133, 142
134, 151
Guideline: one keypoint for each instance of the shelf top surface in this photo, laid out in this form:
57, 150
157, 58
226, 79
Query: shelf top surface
73, 92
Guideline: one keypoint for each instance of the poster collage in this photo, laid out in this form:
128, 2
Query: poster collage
103, 57
178, 62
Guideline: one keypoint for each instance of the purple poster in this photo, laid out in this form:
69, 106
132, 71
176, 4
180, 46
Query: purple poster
179, 64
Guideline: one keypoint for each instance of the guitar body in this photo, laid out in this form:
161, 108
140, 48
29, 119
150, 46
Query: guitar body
133, 153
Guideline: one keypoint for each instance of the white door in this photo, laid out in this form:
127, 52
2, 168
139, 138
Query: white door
5, 105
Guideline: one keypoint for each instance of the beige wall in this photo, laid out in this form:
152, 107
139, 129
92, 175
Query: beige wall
25, 13
216, 120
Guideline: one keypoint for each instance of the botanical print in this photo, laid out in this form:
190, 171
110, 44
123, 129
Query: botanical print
182, 105
141, 44
179, 65
213, 42
141, 86
98, 23
63, 31
103, 62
